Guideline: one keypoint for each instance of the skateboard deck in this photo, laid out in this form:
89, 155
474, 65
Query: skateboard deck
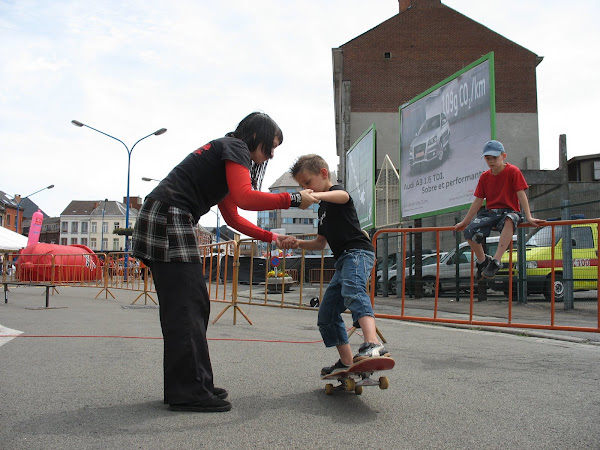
359, 375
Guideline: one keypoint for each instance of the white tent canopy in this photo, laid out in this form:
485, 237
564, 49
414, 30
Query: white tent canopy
11, 241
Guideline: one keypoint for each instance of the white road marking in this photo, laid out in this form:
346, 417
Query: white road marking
7, 334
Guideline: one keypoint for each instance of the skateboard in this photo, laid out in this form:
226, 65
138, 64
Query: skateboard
359, 375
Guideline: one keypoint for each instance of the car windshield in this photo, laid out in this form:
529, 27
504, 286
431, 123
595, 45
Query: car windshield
430, 124
543, 237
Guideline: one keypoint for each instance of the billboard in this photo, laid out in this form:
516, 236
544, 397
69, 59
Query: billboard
442, 133
360, 176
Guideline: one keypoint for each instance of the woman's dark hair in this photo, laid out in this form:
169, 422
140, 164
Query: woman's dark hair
258, 128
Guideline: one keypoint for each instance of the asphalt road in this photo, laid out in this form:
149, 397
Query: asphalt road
88, 374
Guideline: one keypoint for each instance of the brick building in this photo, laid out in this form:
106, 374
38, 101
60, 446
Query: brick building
426, 42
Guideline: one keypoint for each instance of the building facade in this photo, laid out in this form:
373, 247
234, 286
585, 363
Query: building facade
92, 222
425, 43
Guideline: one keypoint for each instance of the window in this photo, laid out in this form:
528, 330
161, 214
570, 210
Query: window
115, 244
74, 227
105, 227
63, 241
94, 227
104, 244
73, 241
583, 237
116, 225
84, 227
93, 244
8, 220
596, 170
387, 55
84, 241
64, 228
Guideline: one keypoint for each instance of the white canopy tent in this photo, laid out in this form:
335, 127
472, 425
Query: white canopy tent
11, 241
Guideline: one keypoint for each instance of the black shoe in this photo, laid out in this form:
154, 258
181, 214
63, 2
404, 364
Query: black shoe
218, 392
481, 267
492, 269
339, 366
212, 404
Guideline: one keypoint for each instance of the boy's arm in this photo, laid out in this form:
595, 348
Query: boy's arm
306, 244
337, 196
522, 196
475, 206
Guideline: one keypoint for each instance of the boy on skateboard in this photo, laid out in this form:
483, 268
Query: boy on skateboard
503, 188
354, 258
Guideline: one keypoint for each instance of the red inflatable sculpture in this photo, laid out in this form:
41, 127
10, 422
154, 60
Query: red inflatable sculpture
58, 263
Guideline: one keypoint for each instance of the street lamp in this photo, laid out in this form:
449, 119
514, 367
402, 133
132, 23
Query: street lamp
156, 133
102, 225
19, 205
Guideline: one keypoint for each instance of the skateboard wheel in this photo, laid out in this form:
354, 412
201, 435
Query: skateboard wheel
384, 383
358, 390
314, 302
329, 389
350, 384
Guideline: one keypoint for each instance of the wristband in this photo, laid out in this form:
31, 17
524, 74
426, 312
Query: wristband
295, 199
274, 238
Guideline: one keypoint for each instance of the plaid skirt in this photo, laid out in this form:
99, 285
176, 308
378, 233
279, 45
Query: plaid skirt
164, 233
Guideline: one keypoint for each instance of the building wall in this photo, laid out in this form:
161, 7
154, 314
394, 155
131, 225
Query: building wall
428, 43
115, 242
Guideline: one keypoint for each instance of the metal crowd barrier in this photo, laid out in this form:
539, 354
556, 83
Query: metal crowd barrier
552, 264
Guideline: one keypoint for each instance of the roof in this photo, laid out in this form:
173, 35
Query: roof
94, 208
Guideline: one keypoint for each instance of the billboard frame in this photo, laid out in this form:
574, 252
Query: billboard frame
487, 57
371, 224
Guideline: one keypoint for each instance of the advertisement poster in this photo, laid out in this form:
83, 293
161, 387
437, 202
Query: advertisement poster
360, 172
442, 133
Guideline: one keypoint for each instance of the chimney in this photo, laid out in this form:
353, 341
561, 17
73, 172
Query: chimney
404, 5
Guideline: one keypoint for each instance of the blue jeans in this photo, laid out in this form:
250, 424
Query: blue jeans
347, 290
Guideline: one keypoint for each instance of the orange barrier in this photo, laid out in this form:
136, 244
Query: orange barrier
509, 256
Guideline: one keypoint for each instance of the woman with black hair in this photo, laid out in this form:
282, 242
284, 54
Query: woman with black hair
226, 172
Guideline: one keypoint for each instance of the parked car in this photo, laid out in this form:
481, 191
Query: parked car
447, 278
427, 259
431, 142
538, 256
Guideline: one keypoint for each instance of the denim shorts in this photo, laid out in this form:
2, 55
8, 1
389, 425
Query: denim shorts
489, 219
347, 290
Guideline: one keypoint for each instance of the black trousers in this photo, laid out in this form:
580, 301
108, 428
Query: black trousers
184, 313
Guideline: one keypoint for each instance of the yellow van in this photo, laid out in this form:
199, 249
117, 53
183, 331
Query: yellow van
539, 261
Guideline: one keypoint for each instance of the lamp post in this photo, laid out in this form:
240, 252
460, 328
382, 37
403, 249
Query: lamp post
102, 227
19, 205
156, 133
218, 224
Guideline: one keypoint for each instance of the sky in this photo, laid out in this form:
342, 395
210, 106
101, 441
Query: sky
131, 67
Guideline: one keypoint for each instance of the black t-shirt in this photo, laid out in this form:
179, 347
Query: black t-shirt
340, 226
199, 181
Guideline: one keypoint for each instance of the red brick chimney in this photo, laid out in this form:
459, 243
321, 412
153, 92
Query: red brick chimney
404, 5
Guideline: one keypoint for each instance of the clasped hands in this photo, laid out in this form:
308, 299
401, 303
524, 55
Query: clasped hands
307, 198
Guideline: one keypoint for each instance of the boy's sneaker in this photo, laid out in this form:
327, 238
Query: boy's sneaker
492, 269
481, 266
369, 350
339, 366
